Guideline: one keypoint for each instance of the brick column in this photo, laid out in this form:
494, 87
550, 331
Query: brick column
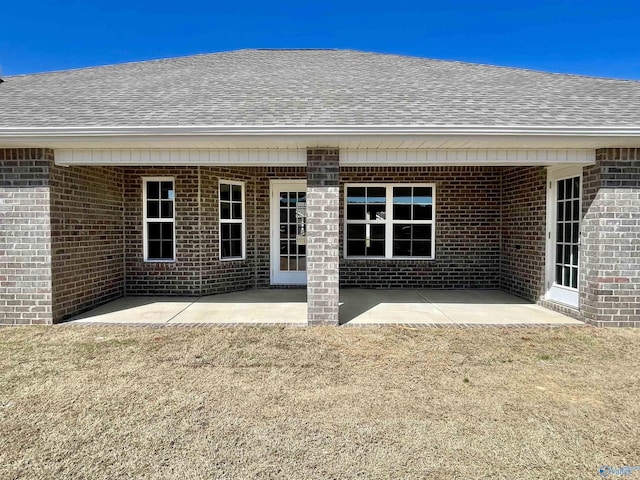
323, 236
25, 237
610, 257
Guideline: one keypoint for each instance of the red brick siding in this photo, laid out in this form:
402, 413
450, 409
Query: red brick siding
467, 230
522, 259
87, 240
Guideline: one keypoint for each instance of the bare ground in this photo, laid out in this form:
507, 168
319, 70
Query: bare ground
114, 402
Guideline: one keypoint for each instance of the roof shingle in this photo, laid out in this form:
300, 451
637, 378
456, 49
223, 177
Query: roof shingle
313, 87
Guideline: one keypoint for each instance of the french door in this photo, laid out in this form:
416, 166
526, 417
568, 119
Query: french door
563, 238
288, 232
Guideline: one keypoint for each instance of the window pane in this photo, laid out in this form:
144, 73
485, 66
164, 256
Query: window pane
560, 212
154, 249
567, 211
225, 192
153, 190
560, 189
237, 210
302, 264
355, 195
422, 195
376, 195
236, 248
402, 195
153, 231
559, 274
356, 212
236, 231
236, 193
567, 232
422, 212
401, 248
225, 210
576, 187
284, 264
167, 249
153, 209
376, 211
574, 277
377, 232
167, 231
164, 190
356, 232
402, 212
283, 215
167, 209
422, 232
576, 209
574, 255
421, 248
292, 215
401, 232
574, 237
356, 248
376, 248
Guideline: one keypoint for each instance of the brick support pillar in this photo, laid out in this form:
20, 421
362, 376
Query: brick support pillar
610, 259
25, 237
323, 236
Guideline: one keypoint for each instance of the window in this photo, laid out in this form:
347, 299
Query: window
232, 226
389, 221
159, 219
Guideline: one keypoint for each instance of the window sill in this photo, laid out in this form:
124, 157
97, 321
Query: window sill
233, 259
159, 260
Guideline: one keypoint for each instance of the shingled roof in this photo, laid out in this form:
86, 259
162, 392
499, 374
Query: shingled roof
313, 87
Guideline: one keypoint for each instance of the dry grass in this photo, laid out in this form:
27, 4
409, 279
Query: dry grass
94, 402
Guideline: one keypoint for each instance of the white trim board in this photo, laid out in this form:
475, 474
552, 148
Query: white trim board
297, 157
178, 157
498, 157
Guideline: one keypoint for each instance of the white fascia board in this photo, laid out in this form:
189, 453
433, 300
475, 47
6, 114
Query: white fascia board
495, 157
179, 157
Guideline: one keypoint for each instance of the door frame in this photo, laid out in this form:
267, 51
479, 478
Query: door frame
276, 186
561, 294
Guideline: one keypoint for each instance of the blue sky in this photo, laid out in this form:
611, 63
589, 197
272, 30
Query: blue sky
600, 38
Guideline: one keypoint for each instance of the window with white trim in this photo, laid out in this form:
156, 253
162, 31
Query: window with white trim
232, 220
390, 221
159, 219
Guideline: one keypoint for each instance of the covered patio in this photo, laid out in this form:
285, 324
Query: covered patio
358, 307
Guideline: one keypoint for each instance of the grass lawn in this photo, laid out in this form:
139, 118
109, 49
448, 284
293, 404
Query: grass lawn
114, 402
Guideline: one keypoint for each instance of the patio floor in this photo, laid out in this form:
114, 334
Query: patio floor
358, 307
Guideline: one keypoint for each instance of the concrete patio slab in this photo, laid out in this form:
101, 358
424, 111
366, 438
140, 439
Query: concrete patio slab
358, 307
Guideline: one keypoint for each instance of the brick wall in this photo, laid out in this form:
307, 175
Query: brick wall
467, 230
25, 252
523, 214
87, 240
198, 268
610, 254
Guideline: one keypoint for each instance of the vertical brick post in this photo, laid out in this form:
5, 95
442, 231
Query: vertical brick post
25, 237
610, 253
323, 236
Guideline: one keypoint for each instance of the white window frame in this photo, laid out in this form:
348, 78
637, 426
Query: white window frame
145, 220
242, 221
390, 221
